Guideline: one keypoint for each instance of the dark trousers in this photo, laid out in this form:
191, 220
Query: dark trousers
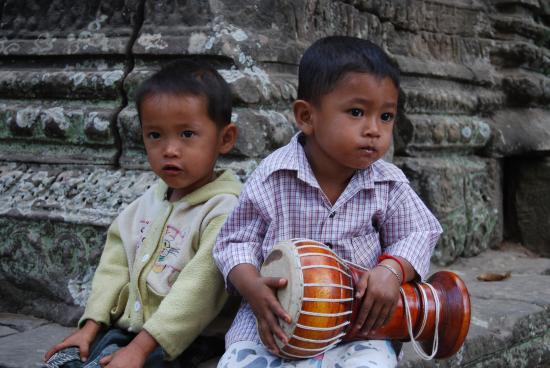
111, 340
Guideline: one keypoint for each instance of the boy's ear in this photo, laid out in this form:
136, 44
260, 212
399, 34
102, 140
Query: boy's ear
303, 114
228, 137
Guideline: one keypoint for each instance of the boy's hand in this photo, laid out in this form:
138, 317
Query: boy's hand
380, 289
267, 308
129, 356
81, 338
132, 355
260, 293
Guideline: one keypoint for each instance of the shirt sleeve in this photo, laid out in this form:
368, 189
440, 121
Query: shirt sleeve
240, 239
409, 230
194, 300
109, 280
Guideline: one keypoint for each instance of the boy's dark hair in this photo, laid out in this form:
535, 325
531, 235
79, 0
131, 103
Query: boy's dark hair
186, 77
329, 59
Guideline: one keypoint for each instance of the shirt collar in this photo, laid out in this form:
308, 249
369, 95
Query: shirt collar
293, 157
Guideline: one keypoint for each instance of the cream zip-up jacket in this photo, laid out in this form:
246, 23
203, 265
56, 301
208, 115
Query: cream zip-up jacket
156, 271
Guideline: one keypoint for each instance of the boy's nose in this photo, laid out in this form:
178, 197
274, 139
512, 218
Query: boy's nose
371, 126
170, 149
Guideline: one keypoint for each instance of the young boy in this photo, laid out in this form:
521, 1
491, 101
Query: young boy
329, 184
156, 286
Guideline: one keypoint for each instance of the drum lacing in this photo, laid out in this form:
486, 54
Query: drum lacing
328, 285
331, 256
327, 267
417, 348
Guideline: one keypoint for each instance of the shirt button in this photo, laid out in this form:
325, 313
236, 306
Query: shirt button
137, 306
329, 245
332, 214
145, 258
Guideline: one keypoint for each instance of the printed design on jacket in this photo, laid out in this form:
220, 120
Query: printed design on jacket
171, 248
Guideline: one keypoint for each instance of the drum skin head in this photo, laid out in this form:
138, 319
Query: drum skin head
283, 261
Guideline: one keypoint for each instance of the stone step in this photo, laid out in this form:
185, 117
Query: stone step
510, 324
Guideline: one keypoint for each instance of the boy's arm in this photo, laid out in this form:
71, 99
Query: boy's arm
110, 277
409, 234
240, 239
238, 254
194, 300
410, 231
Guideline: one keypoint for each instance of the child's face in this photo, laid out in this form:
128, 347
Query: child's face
181, 140
352, 125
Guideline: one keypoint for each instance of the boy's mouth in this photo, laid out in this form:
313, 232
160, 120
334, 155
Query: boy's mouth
368, 149
171, 169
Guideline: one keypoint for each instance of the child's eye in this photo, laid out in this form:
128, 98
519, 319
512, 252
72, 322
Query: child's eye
187, 134
387, 117
153, 135
356, 112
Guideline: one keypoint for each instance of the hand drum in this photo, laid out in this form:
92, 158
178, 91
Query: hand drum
319, 299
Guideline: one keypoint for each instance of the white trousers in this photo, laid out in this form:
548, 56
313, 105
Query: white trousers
355, 354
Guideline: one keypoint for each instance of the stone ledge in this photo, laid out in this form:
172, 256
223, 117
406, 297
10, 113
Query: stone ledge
510, 318
510, 324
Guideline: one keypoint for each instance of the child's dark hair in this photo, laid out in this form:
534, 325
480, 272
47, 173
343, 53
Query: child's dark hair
186, 77
329, 59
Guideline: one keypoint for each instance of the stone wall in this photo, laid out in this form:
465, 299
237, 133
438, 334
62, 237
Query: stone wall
473, 134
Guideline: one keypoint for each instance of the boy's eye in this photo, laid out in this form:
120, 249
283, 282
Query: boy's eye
387, 117
153, 135
356, 112
187, 134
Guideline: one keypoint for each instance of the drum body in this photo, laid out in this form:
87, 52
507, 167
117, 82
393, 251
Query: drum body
319, 297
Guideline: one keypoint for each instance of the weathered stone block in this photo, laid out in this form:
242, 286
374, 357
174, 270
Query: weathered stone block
519, 53
519, 131
64, 27
464, 194
464, 18
436, 96
423, 134
249, 86
46, 266
46, 131
532, 203
248, 33
82, 195
526, 88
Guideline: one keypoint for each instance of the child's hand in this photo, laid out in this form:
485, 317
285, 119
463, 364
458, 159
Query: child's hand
380, 289
130, 356
81, 338
267, 308
260, 293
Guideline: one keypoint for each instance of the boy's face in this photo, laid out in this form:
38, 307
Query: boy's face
352, 125
181, 140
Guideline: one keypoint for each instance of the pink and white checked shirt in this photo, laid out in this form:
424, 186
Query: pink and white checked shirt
377, 212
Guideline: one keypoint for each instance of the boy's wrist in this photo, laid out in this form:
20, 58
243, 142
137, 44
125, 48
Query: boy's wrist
144, 343
243, 276
392, 268
91, 326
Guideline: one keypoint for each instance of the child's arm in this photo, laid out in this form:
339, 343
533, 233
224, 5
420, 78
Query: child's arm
409, 233
260, 293
238, 254
110, 277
